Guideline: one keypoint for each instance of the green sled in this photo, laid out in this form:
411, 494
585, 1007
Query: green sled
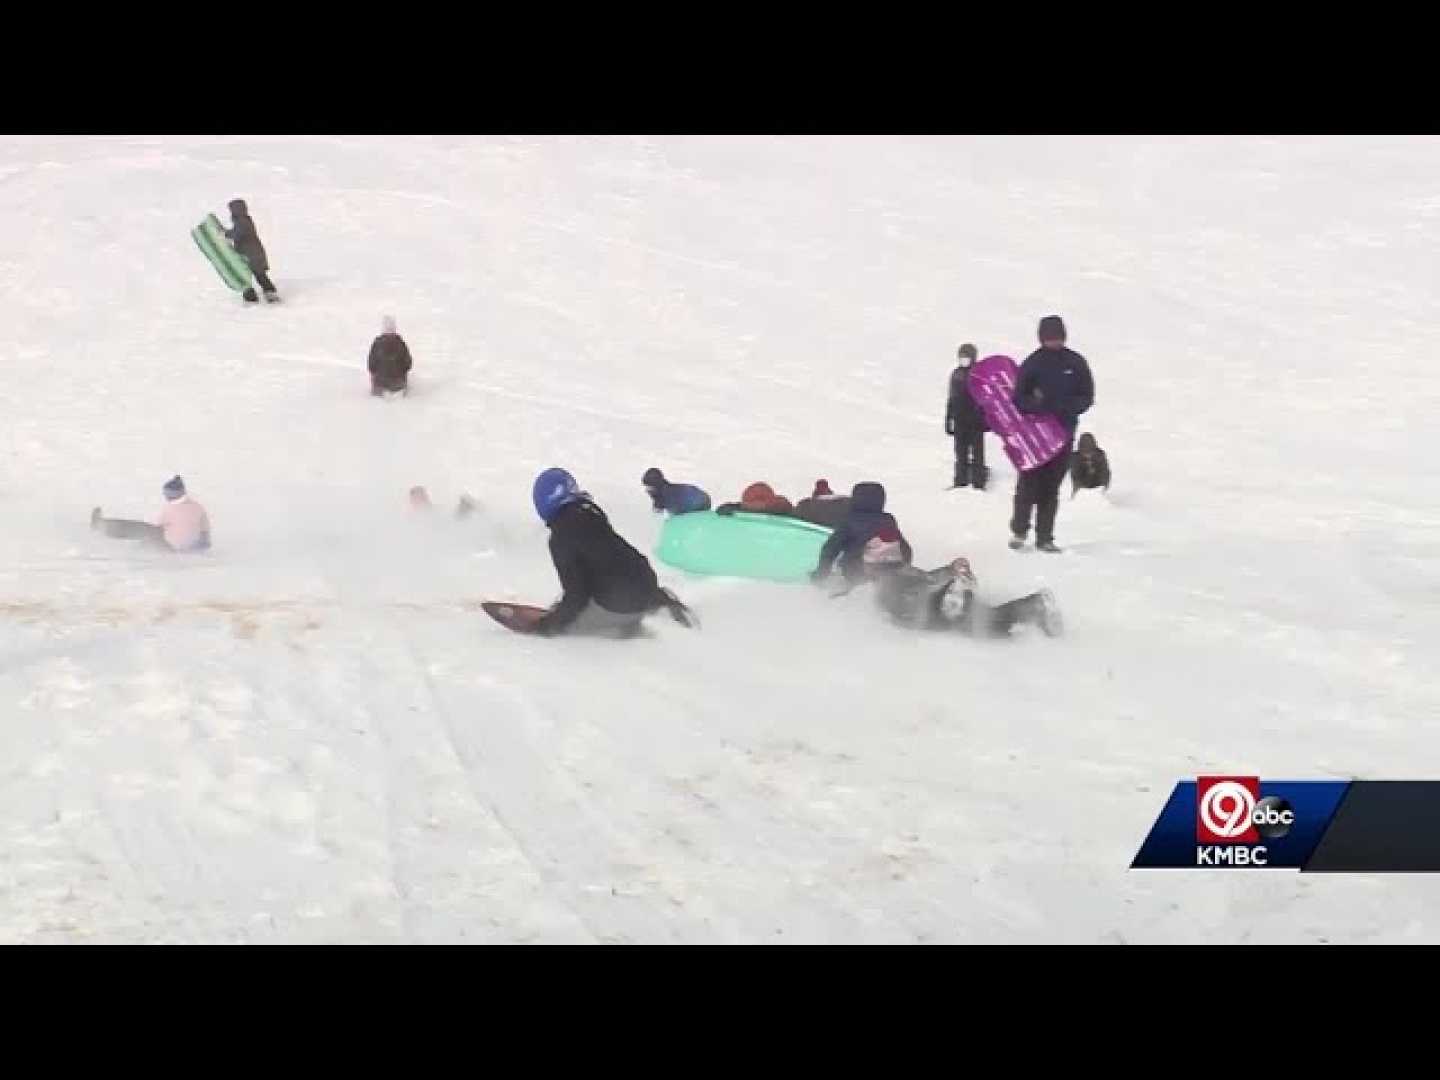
762, 546
209, 237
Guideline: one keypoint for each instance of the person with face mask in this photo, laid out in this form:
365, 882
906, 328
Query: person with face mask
965, 421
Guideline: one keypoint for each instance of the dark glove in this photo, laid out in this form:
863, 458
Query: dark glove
726, 509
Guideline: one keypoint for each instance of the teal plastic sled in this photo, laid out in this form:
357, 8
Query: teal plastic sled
761, 546
209, 237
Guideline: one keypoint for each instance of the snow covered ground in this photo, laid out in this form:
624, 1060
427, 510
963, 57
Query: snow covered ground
312, 736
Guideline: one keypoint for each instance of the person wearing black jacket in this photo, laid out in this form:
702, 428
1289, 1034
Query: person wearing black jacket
609, 587
1053, 380
246, 241
1089, 466
868, 537
390, 361
965, 421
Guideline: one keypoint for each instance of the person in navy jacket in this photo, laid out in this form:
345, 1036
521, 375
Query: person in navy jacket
665, 495
1054, 380
868, 540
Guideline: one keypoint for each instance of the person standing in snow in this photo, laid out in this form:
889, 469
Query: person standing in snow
246, 241
609, 587
389, 362
1055, 380
965, 421
666, 496
184, 525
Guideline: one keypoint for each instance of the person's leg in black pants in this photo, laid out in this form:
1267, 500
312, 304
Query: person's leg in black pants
1024, 504
1047, 496
962, 470
979, 475
1039, 490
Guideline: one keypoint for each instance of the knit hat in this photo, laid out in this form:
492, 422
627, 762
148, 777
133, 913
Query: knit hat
174, 488
237, 206
968, 350
1052, 328
653, 478
822, 488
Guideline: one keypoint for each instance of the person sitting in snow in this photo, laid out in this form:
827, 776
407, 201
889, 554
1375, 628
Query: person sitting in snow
246, 241
668, 496
759, 498
1089, 466
184, 525
944, 599
389, 362
868, 542
609, 587
823, 507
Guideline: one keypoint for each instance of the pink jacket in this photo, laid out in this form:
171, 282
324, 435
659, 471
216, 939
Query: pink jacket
186, 525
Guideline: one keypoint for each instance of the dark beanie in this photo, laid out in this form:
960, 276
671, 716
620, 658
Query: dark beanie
968, 350
653, 477
1052, 328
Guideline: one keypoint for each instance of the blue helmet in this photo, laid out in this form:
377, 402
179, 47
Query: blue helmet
554, 489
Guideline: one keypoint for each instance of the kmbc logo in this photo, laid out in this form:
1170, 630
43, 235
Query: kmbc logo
1229, 810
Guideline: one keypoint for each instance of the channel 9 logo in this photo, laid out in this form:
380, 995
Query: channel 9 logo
1232, 821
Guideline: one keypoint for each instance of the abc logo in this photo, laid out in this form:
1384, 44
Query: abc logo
1229, 810
1273, 817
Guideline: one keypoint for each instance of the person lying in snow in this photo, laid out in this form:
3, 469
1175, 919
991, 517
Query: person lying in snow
184, 525
944, 599
666, 496
609, 587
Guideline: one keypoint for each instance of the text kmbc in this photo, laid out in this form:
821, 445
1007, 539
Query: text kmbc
1232, 821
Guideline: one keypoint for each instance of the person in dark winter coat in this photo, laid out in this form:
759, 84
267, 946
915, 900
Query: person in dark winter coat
389, 362
668, 496
867, 541
824, 507
1054, 380
965, 421
1089, 467
609, 587
944, 599
246, 241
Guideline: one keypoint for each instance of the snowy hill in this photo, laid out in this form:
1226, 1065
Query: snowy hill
311, 735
